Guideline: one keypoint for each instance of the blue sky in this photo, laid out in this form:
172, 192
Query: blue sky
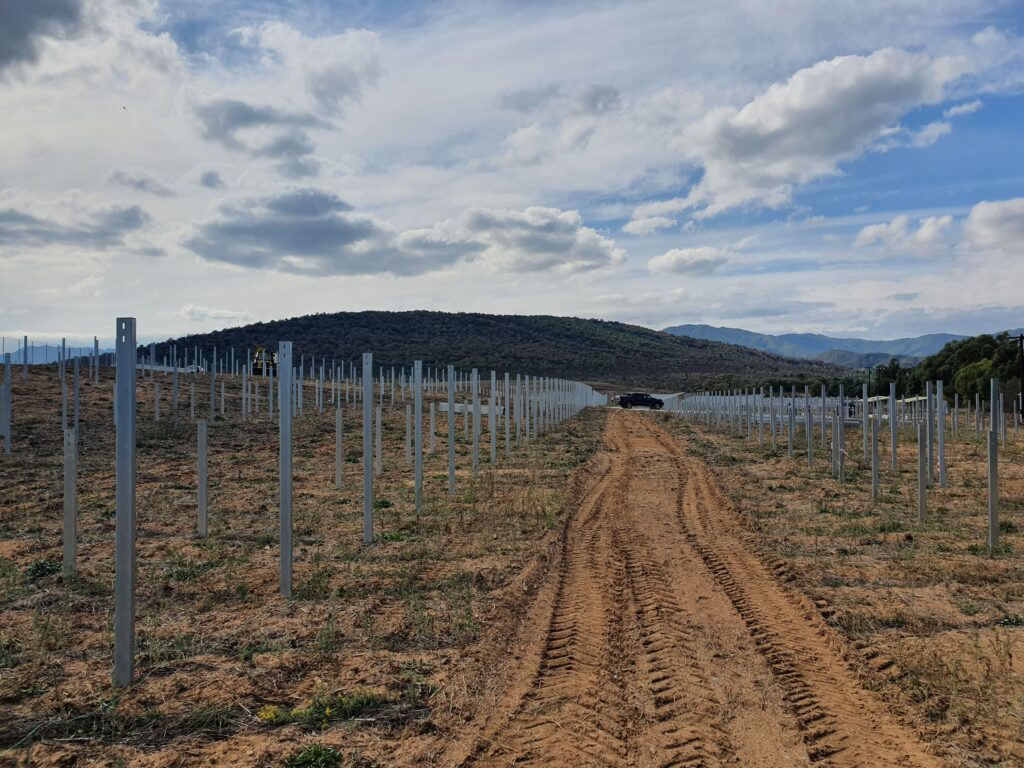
848, 168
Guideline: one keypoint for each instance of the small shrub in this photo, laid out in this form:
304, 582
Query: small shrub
40, 569
315, 756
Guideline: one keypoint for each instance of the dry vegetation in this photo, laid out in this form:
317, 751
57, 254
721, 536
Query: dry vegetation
936, 620
414, 649
371, 663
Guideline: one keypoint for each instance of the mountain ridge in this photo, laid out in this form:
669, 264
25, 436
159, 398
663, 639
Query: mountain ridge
597, 351
813, 345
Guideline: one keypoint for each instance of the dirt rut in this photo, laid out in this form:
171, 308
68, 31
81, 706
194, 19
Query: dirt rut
665, 641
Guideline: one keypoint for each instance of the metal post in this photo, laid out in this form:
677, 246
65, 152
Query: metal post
892, 422
865, 425
6, 411
792, 425
284, 431
338, 425
809, 428
993, 491
378, 464
507, 402
940, 407
417, 381
451, 429
201, 436
408, 433
476, 422
930, 432
874, 457
367, 448
922, 471
70, 501
124, 495
433, 427
492, 423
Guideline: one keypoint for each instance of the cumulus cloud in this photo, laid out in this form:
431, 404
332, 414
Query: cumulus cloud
306, 231
200, 314
314, 232
334, 69
804, 128
91, 286
997, 225
648, 225
530, 99
689, 261
597, 99
538, 239
211, 179
963, 109
900, 235
100, 228
25, 24
930, 134
222, 121
140, 181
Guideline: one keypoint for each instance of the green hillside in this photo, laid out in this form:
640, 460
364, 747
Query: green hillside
596, 351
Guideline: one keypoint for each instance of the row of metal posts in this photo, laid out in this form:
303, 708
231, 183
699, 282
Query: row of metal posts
739, 409
538, 403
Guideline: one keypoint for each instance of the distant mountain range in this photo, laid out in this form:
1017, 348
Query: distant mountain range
848, 352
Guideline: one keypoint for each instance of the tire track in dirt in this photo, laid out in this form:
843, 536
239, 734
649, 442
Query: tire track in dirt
615, 684
842, 723
665, 641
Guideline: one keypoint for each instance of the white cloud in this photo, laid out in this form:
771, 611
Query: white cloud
930, 134
966, 108
804, 128
900, 237
197, 313
690, 261
335, 69
648, 225
997, 225
538, 239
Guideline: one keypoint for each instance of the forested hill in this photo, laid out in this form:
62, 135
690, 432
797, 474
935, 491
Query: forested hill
596, 351
967, 366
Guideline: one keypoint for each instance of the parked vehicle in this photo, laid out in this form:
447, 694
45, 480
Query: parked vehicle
641, 399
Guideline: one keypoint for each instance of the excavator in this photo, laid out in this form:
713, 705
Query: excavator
264, 363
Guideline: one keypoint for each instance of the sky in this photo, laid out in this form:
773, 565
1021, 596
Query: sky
850, 167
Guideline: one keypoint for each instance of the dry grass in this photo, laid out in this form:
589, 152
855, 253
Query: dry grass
371, 652
938, 619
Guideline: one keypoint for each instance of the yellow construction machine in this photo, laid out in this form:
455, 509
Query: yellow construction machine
264, 363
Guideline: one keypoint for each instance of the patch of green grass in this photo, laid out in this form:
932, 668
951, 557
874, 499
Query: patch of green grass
328, 638
317, 586
40, 569
325, 708
314, 756
889, 525
398, 536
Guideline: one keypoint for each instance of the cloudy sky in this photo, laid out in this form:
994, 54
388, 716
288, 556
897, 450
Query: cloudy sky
852, 167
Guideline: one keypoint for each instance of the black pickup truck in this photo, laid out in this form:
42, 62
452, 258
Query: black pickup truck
641, 399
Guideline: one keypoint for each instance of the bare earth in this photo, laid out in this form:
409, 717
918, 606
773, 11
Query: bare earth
664, 640
630, 590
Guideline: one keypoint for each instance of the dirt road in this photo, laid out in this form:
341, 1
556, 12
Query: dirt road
662, 639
